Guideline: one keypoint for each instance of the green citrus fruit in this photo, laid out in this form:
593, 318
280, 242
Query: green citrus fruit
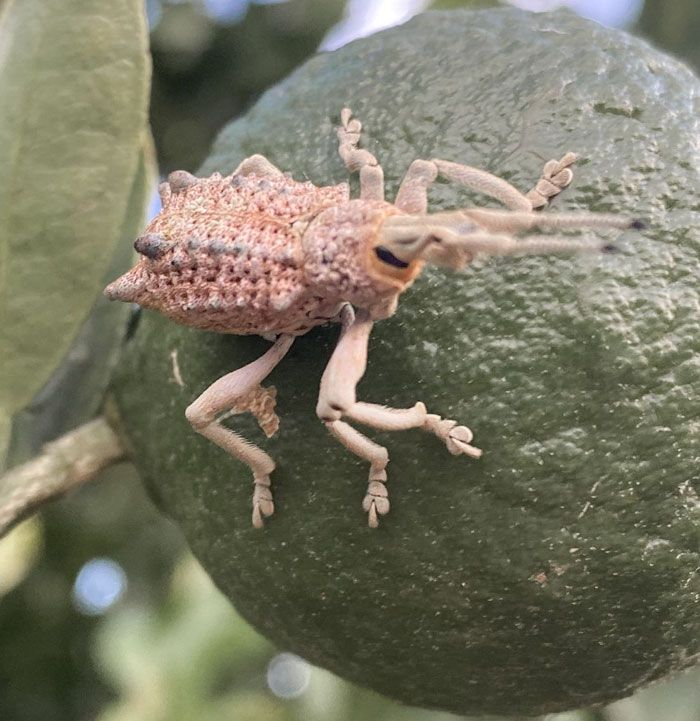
561, 569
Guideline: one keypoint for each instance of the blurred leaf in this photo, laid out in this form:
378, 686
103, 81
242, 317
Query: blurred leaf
18, 551
75, 78
250, 707
168, 662
676, 700
5, 428
75, 389
673, 26
47, 670
205, 73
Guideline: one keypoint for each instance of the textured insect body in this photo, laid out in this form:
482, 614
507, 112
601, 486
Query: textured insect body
256, 252
341, 261
226, 254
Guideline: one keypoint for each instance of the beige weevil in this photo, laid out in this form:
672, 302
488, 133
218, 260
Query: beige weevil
257, 253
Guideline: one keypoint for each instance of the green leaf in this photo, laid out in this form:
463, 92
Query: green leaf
75, 80
677, 700
75, 389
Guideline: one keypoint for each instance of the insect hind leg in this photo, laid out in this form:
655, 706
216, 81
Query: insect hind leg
238, 392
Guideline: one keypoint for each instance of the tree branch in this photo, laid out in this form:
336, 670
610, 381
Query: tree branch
63, 464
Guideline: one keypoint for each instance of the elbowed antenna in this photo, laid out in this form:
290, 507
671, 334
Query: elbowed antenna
453, 238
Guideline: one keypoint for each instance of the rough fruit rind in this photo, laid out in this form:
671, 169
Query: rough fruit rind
561, 570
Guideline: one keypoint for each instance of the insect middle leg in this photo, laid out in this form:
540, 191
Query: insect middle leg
238, 392
413, 191
337, 400
371, 173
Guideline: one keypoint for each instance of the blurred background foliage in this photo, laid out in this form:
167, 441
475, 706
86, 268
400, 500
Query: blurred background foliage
103, 613
212, 58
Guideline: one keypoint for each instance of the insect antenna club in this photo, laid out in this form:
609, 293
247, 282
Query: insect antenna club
256, 252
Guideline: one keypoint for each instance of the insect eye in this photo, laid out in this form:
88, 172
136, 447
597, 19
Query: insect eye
387, 256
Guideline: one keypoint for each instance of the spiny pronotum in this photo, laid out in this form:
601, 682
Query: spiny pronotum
256, 252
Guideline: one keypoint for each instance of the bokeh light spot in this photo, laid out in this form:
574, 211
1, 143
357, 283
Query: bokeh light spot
288, 675
613, 13
226, 11
98, 585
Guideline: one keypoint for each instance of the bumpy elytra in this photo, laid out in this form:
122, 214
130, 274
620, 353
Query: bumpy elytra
256, 252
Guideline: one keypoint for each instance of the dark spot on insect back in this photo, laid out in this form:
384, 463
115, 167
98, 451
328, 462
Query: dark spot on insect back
216, 247
180, 180
152, 245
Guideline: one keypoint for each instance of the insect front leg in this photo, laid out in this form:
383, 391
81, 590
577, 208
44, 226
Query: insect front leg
238, 392
413, 191
556, 175
337, 400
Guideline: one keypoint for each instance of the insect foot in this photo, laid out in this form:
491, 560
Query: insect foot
376, 500
556, 175
456, 438
263, 504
